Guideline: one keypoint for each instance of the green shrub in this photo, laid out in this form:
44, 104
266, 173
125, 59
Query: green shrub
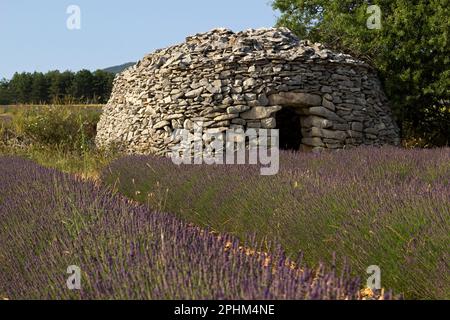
55, 136
69, 128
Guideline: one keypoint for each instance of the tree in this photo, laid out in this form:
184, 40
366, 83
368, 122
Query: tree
5, 95
66, 83
39, 89
20, 87
56, 87
102, 85
411, 51
54, 90
82, 86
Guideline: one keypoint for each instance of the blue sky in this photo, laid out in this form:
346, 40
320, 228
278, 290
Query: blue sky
34, 36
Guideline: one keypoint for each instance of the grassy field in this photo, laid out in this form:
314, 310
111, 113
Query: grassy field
385, 207
57, 136
16, 109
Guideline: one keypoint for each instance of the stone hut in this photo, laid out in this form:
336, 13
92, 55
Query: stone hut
265, 78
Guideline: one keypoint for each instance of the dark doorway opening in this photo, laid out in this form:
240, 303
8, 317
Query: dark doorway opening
288, 122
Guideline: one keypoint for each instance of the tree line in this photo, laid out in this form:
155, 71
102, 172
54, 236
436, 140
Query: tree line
84, 87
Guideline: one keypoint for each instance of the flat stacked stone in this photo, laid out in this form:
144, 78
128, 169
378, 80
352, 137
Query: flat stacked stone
241, 80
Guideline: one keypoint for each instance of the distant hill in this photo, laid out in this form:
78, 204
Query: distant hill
120, 68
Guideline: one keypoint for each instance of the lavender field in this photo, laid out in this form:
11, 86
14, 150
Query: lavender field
50, 220
374, 206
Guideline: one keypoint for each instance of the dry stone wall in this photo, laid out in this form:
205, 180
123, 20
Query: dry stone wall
242, 80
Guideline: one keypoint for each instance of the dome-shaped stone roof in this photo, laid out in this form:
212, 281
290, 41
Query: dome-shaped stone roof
244, 80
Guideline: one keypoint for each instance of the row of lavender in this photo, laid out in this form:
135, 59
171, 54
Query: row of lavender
376, 206
49, 221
